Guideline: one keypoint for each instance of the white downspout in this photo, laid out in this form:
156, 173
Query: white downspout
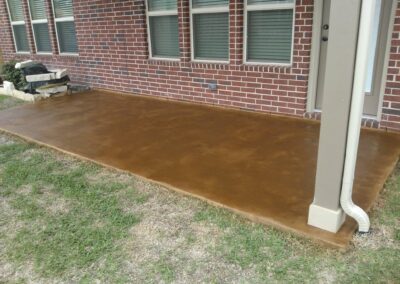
356, 111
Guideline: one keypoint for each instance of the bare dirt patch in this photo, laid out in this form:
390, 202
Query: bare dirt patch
168, 246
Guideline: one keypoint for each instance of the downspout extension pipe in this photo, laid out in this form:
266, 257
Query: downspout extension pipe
357, 103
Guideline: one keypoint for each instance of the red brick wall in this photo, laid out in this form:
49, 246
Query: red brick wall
113, 54
391, 99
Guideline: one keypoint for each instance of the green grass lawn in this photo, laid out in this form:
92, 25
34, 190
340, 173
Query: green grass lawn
7, 102
65, 220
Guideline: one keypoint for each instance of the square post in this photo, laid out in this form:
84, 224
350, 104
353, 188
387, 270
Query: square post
325, 211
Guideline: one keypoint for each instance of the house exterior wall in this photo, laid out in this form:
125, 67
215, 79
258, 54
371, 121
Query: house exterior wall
391, 99
113, 54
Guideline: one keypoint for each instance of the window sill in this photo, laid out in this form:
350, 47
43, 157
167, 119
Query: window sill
267, 64
69, 54
211, 61
164, 59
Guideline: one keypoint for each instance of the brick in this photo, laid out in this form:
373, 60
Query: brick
112, 38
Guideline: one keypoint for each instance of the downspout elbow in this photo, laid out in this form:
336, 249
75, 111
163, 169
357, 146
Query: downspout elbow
353, 210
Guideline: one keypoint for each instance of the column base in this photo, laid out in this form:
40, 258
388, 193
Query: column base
326, 219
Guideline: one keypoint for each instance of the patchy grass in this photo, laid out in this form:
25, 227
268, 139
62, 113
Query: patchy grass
64, 220
7, 102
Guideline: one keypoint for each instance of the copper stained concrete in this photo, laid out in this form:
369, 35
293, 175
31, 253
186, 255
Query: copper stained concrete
259, 165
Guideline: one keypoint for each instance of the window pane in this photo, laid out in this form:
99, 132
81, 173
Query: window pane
67, 37
16, 11
164, 36
250, 2
269, 36
21, 39
208, 3
42, 37
38, 9
156, 5
211, 36
63, 8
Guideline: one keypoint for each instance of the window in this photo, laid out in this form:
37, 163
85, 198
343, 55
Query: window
40, 26
210, 30
269, 31
65, 26
162, 23
16, 14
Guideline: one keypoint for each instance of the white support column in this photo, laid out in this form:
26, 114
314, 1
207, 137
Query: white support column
325, 211
341, 122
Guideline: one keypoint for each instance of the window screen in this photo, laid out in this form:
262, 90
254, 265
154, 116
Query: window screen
65, 26
211, 36
162, 18
18, 25
269, 30
269, 35
67, 37
21, 38
40, 26
210, 30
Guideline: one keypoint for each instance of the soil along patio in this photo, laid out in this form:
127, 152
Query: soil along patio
259, 165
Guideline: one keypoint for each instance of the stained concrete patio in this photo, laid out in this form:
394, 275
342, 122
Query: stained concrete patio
258, 165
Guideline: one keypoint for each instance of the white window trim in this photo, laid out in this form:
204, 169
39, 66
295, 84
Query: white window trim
267, 7
207, 10
158, 14
41, 21
62, 19
16, 23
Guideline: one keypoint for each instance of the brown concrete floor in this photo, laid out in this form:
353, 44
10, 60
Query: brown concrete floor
258, 165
